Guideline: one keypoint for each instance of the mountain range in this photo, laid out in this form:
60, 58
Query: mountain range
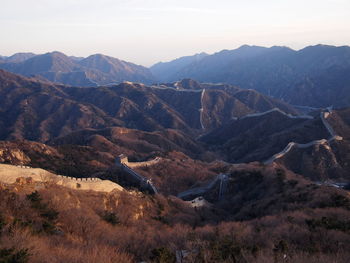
203, 121
236, 175
94, 70
316, 76
302, 144
36, 110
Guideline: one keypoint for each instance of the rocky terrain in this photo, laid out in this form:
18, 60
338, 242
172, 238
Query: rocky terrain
327, 160
41, 111
303, 144
257, 137
228, 167
92, 126
304, 221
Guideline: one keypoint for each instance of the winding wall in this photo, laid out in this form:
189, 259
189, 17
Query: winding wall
143, 181
333, 136
276, 110
141, 164
222, 178
201, 110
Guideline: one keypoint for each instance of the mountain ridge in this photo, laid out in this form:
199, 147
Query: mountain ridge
35, 110
281, 72
91, 71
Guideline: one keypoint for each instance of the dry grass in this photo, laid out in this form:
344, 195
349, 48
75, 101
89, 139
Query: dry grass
80, 234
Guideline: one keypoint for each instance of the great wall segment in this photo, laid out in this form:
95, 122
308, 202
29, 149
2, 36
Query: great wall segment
123, 159
10, 174
333, 137
143, 182
221, 180
275, 110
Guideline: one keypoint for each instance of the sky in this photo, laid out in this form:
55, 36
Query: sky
148, 31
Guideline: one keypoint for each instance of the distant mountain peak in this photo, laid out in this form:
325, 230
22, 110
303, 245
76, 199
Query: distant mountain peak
99, 55
245, 46
315, 76
55, 53
95, 70
19, 57
281, 48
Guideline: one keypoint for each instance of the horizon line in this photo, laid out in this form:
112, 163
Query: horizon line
193, 54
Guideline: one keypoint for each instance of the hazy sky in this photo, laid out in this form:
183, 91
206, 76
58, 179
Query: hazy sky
148, 31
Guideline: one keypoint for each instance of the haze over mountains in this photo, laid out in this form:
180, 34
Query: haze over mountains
222, 159
315, 76
221, 153
91, 71
42, 109
35, 110
18, 57
204, 121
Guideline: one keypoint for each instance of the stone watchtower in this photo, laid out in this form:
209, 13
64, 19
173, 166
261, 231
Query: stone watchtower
121, 159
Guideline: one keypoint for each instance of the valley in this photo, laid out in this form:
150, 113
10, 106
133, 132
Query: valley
176, 169
205, 122
175, 131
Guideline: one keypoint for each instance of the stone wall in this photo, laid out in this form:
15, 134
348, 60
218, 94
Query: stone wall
74, 179
124, 160
143, 182
10, 173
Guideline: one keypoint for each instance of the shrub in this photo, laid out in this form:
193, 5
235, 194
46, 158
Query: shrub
329, 223
281, 247
49, 227
9, 255
34, 197
281, 176
2, 222
50, 214
338, 200
292, 183
162, 255
111, 217
226, 249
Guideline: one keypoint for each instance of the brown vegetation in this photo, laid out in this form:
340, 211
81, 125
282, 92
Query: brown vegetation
303, 223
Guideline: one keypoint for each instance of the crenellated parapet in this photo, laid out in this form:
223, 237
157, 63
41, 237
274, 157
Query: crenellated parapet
74, 179
10, 173
123, 160
143, 182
